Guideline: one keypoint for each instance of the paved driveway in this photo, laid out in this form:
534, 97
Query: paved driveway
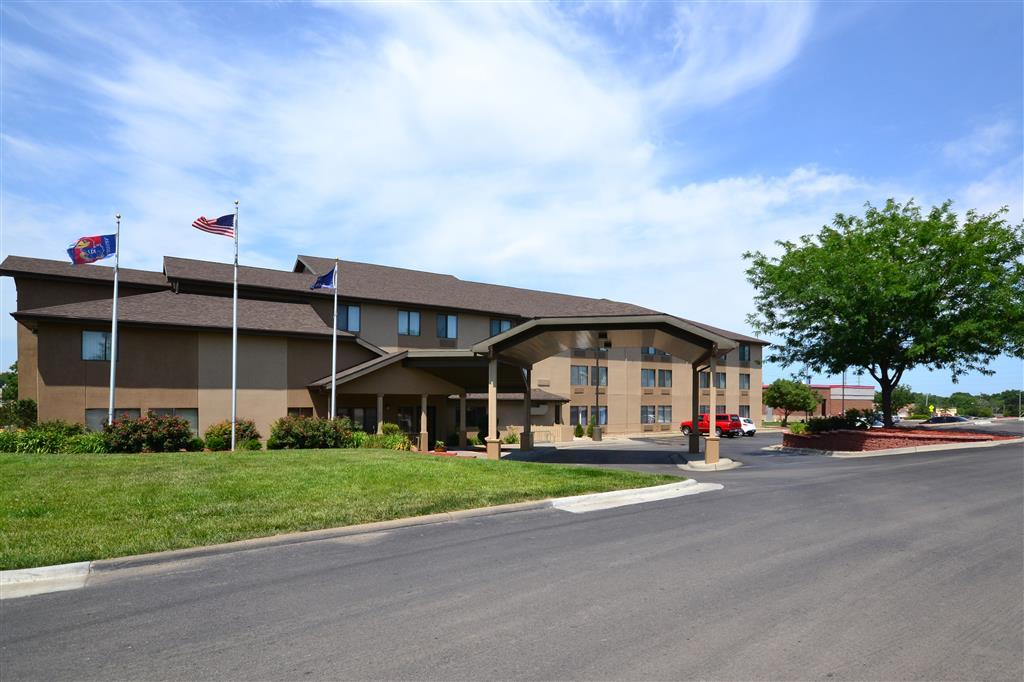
893, 568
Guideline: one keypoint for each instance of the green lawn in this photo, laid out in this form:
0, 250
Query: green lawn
61, 508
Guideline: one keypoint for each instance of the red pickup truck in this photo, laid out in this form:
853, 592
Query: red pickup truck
725, 425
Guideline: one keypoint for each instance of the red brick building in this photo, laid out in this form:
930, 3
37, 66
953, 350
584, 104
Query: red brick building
835, 400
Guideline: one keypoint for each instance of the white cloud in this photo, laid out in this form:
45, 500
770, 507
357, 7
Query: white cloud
983, 143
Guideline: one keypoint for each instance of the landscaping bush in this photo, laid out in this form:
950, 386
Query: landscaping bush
510, 438
390, 429
290, 433
195, 445
218, 436
360, 439
251, 444
578, 431
798, 428
851, 420
86, 444
474, 440
394, 441
8, 440
152, 433
18, 413
920, 415
591, 425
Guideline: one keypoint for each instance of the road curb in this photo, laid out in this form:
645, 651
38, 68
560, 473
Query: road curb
44, 579
855, 454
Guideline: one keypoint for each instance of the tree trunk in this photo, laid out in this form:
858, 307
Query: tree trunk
785, 417
886, 387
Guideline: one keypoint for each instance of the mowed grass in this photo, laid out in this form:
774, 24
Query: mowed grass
56, 509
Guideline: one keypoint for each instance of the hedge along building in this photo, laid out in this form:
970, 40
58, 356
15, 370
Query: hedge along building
439, 356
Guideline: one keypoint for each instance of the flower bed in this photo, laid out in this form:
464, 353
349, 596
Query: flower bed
881, 439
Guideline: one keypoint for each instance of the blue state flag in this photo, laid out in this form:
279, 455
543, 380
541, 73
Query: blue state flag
324, 281
92, 249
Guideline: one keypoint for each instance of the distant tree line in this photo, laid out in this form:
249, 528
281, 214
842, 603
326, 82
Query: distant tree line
981, 405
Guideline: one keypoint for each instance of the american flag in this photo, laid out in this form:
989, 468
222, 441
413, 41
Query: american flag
224, 225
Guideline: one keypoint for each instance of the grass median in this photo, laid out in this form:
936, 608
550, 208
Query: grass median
61, 508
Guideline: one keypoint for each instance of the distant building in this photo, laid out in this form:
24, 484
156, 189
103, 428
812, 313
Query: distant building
835, 399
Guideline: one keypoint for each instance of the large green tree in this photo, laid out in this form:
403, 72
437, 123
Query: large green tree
790, 396
893, 290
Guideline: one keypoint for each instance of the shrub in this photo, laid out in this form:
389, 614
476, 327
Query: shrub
921, 415
510, 438
251, 444
798, 428
394, 441
591, 425
86, 443
195, 445
289, 433
8, 440
360, 439
578, 431
152, 433
218, 436
18, 413
475, 440
390, 429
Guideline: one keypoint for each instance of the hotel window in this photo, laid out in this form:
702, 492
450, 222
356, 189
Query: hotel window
744, 352
189, 414
703, 409
719, 380
447, 326
601, 413
745, 411
651, 350
719, 409
348, 318
96, 418
744, 382
723, 358
408, 323
300, 411
95, 345
579, 375
499, 326
664, 414
665, 378
577, 415
599, 377
705, 380
647, 378
647, 414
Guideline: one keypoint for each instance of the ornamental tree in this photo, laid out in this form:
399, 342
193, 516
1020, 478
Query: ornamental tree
893, 290
790, 396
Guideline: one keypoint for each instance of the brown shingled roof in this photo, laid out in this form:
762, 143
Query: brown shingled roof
43, 267
166, 308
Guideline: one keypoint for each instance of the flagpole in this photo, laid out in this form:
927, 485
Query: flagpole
234, 341
113, 321
334, 345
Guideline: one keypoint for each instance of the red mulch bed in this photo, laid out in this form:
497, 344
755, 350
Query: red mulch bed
882, 439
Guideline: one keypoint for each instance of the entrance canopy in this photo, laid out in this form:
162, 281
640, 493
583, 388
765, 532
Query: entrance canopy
537, 339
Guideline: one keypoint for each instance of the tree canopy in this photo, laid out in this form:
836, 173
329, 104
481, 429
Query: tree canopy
893, 290
790, 396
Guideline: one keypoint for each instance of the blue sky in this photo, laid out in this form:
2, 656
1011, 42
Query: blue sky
623, 149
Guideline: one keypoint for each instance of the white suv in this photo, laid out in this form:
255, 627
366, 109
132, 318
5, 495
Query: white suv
748, 426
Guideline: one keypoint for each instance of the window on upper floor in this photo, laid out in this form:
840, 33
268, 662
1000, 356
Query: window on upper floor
599, 377
579, 375
744, 382
720, 380
665, 378
705, 380
348, 318
647, 378
744, 352
95, 345
408, 323
447, 326
499, 326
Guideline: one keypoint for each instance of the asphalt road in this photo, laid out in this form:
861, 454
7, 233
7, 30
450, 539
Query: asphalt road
904, 567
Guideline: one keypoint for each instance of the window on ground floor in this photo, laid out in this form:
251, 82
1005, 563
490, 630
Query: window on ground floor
300, 411
601, 413
364, 418
647, 414
703, 409
577, 415
745, 411
719, 409
96, 418
664, 414
189, 414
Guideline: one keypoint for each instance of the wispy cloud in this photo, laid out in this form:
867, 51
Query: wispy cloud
983, 143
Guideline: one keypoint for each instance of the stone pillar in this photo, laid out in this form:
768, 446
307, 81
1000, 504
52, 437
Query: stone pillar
492, 440
694, 439
380, 413
424, 436
462, 419
526, 439
711, 445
